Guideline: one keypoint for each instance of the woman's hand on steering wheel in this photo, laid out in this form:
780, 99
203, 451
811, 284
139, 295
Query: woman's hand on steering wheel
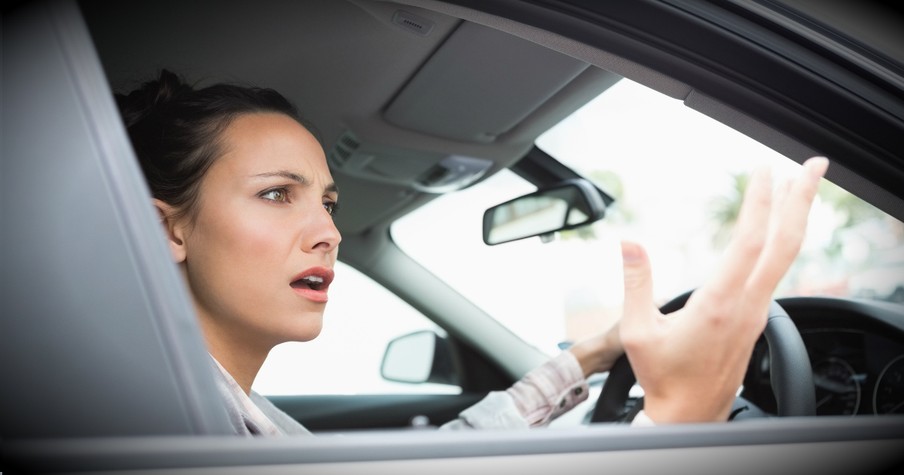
691, 362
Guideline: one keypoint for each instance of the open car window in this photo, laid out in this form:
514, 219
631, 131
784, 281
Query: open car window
678, 177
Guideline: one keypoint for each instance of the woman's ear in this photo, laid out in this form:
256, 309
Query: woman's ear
174, 229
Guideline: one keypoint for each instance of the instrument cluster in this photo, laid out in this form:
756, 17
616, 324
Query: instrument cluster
856, 351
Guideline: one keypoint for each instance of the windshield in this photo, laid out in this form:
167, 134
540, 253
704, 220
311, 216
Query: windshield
678, 177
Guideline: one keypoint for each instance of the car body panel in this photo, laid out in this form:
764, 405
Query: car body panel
780, 446
90, 277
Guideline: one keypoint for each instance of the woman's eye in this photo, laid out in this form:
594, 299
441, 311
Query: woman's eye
331, 207
277, 194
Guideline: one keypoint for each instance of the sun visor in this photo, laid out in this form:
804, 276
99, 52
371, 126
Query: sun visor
480, 84
423, 171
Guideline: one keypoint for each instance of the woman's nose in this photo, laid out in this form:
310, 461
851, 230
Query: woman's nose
320, 233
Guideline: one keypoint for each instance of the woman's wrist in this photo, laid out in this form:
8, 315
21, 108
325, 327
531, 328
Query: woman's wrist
598, 354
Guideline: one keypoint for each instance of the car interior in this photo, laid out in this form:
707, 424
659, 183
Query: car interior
412, 101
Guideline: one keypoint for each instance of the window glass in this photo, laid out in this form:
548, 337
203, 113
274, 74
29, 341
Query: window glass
678, 178
346, 357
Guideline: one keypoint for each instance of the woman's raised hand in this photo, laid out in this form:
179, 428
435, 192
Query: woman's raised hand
691, 362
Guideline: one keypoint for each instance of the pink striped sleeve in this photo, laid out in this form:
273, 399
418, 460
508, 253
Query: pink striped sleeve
550, 390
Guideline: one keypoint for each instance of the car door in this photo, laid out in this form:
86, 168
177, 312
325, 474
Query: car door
103, 395
99, 336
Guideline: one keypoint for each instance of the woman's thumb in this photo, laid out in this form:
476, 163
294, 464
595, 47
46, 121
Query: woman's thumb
638, 280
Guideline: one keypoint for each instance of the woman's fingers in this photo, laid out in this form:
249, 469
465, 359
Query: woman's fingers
638, 303
746, 245
787, 232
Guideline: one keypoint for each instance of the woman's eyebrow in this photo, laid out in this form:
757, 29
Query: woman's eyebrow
330, 188
284, 174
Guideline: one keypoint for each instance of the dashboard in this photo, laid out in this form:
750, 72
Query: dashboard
855, 372
856, 351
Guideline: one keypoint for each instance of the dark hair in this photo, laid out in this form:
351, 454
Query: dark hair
175, 130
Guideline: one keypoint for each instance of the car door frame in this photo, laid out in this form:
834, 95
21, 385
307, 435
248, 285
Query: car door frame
775, 446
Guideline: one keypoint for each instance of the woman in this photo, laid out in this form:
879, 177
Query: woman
246, 199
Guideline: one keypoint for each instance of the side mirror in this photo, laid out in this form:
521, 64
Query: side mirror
419, 357
568, 205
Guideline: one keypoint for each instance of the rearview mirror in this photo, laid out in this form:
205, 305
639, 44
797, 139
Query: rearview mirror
568, 205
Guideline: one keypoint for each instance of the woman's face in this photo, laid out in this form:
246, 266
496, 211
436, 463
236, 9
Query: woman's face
259, 253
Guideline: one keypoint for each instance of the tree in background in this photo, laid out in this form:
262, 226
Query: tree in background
858, 223
725, 209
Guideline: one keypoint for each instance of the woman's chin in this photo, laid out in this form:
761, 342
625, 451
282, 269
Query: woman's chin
306, 332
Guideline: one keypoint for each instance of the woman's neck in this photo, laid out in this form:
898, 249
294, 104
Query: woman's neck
242, 369
241, 360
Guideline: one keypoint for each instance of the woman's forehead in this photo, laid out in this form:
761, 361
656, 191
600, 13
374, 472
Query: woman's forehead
272, 143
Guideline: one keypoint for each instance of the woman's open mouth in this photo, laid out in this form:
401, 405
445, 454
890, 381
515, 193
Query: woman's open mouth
313, 284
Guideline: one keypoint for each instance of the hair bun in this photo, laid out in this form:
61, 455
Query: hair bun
152, 97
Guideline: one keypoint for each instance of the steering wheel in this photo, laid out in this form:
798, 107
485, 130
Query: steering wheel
791, 376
